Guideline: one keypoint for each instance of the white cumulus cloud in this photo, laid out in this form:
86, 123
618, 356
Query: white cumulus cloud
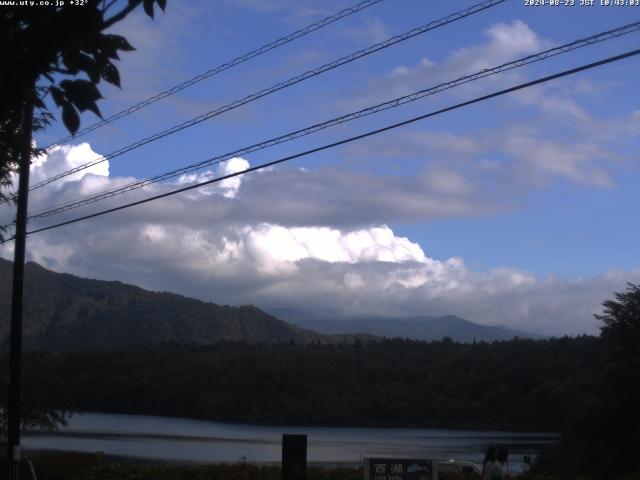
66, 157
211, 245
505, 42
228, 187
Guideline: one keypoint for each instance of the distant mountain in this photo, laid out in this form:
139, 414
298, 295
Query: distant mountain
65, 312
417, 328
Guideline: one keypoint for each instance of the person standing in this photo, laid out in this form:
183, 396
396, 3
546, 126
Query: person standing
527, 463
489, 460
496, 472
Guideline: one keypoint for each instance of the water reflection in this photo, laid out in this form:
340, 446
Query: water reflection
179, 439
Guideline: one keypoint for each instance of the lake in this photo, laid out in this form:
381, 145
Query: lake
200, 441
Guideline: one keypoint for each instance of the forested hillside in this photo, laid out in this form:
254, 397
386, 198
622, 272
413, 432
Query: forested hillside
520, 384
65, 312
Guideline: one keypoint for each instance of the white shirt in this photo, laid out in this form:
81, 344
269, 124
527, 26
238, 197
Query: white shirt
496, 472
487, 469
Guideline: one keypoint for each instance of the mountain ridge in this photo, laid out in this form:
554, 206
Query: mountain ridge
67, 312
64, 311
416, 327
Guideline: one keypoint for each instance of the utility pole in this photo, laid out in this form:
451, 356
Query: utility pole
15, 352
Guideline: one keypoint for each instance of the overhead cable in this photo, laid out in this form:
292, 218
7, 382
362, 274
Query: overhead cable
593, 39
346, 140
279, 86
220, 68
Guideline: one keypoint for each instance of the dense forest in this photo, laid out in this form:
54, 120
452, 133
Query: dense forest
520, 384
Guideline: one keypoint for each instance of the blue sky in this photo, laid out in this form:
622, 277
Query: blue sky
513, 211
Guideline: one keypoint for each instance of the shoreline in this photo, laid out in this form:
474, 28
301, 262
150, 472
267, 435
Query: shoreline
143, 461
500, 429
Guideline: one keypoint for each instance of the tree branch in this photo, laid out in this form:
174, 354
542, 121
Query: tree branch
107, 6
120, 15
62, 70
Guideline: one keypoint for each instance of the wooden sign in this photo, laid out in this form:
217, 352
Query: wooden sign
397, 469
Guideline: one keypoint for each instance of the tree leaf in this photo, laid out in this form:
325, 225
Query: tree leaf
38, 103
107, 46
110, 74
70, 118
58, 96
76, 61
80, 91
94, 75
120, 42
69, 58
83, 94
93, 106
162, 4
148, 7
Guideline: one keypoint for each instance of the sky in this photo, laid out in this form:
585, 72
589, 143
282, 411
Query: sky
514, 211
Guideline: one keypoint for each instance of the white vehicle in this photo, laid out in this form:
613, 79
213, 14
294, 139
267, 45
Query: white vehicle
458, 467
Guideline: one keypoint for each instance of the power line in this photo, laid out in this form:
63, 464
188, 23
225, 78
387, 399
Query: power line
221, 68
600, 37
348, 140
279, 86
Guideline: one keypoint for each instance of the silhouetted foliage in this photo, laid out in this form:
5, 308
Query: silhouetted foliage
521, 384
604, 438
620, 424
63, 51
41, 394
621, 319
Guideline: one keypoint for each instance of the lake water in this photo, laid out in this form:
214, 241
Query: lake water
199, 441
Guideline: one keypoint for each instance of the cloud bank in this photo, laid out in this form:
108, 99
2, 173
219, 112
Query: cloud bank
318, 241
